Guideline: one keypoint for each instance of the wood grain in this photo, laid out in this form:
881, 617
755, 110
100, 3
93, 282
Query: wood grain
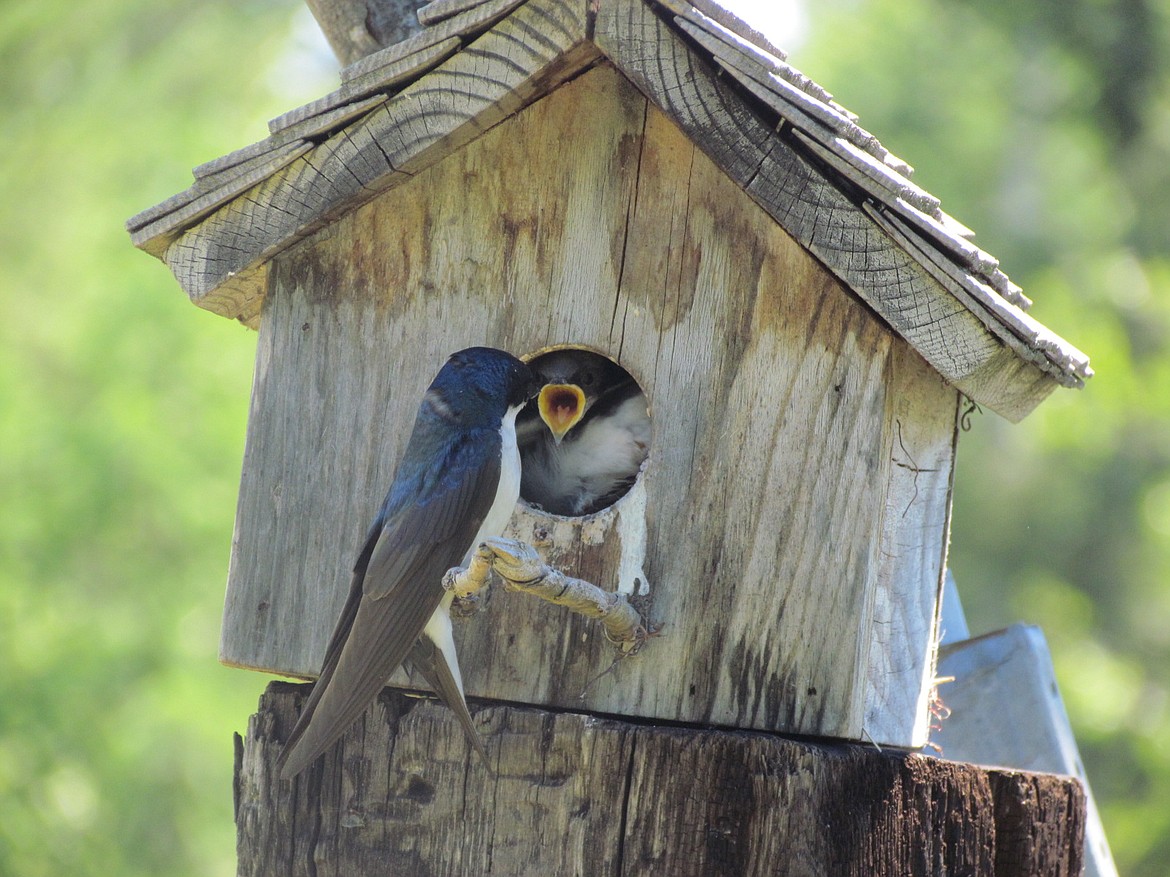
774, 507
578, 795
912, 557
1027, 337
521, 57
712, 12
818, 214
792, 94
858, 166
441, 10
404, 69
836, 138
322, 116
154, 228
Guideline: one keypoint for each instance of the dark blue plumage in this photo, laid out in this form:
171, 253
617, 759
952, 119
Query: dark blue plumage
456, 485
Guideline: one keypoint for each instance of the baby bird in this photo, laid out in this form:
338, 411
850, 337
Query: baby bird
584, 437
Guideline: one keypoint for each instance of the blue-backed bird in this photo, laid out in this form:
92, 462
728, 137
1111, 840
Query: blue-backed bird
585, 436
456, 485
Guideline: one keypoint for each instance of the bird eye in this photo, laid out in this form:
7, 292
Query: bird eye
587, 379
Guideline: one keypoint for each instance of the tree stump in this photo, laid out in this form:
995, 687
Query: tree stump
575, 794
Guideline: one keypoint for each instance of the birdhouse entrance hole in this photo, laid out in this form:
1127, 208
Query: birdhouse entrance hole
584, 437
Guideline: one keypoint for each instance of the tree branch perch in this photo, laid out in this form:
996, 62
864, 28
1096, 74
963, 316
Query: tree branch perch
522, 569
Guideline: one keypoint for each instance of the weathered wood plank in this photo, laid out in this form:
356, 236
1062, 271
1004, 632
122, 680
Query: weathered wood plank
757, 64
238, 158
211, 193
818, 214
860, 167
578, 795
783, 87
805, 104
911, 560
469, 93
1028, 338
1009, 290
765, 69
317, 118
771, 388
228, 178
179, 200
946, 238
708, 13
162, 208
348, 99
439, 10
406, 69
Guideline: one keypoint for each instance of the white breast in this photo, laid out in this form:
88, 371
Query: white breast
508, 492
438, 628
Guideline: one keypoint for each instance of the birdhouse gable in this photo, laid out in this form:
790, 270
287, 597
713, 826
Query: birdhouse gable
776, 133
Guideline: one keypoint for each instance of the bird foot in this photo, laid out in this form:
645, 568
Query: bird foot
522, 569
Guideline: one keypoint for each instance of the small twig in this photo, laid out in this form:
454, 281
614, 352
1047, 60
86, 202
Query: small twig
869, 736
912, 466
939, 711
965, 417
612, 666
522, 569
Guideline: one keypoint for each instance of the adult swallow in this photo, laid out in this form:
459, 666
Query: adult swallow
585, 436
457, 485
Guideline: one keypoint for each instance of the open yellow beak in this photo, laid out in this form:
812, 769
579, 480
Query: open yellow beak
561, 407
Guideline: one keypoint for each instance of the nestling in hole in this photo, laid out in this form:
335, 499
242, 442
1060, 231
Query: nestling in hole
583, 439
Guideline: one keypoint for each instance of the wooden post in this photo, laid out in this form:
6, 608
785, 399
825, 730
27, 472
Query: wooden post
580, 795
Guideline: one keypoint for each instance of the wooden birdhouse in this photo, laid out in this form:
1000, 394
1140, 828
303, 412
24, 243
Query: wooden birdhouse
653, 182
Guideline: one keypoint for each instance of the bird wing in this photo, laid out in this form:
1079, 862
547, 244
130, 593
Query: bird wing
397, 585
429, 660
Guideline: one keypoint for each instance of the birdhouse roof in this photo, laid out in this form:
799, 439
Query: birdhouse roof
782, 138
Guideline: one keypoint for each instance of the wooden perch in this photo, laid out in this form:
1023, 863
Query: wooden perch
522, 569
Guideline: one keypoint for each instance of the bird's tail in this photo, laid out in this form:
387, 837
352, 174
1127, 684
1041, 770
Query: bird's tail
444, 680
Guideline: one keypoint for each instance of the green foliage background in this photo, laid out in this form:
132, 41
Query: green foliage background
1045, 126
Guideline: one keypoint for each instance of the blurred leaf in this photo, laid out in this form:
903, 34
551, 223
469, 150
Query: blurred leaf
122, 413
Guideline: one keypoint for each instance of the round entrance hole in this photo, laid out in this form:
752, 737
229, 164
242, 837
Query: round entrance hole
584, 437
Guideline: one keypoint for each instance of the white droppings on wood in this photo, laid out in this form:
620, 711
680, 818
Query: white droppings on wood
631, 530
595, 528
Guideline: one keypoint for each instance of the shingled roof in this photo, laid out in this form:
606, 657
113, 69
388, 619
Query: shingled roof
800, 155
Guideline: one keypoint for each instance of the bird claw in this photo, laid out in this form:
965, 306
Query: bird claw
467, 582
632, 644
514, 560
465, 607
451, 578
